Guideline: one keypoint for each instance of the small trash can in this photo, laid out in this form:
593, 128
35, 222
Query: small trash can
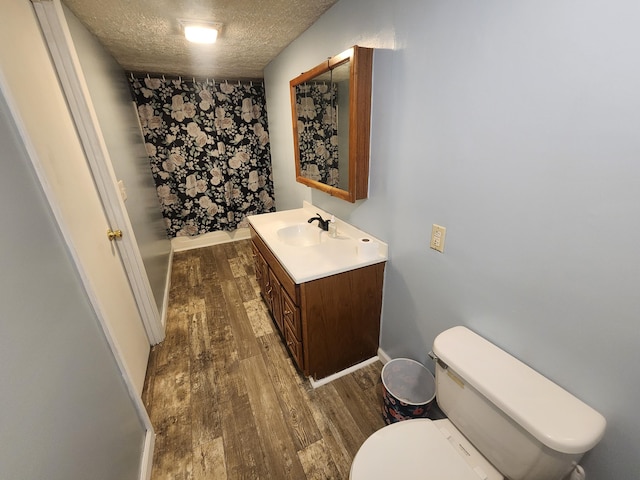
408, 389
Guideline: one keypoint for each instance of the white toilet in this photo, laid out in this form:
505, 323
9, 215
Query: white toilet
505, 420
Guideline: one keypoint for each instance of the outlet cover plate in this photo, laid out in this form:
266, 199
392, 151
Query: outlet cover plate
437, 237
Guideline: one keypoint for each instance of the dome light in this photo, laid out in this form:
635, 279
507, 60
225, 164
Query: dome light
198, 34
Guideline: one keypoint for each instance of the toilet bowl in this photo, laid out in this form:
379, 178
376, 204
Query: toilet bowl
504, 420
420, 449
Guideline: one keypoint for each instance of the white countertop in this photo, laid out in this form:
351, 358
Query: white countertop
329, 257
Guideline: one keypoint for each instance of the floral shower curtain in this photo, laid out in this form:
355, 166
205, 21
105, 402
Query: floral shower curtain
208, 145
318, 132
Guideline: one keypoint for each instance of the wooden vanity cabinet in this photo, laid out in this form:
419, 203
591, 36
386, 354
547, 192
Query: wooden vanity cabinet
327, 324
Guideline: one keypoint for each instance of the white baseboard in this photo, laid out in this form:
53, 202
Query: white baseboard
179, 244
167, 288
382, 355
341, 373
146, 462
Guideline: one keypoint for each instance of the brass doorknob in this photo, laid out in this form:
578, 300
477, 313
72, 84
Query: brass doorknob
113, 234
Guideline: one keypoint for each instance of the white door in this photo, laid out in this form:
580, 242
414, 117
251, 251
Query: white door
67, 64
38, 105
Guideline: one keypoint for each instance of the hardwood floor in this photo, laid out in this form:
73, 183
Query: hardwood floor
224, 397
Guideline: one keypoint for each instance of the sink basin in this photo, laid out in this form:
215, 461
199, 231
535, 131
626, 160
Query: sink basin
300, 235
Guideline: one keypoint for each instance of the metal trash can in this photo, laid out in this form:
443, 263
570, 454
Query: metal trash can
408, 390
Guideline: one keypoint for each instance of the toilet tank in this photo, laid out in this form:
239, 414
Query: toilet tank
528, 427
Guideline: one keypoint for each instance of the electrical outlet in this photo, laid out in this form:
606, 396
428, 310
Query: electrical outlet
437, 237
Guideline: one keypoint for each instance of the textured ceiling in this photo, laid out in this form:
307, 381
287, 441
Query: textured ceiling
145, 35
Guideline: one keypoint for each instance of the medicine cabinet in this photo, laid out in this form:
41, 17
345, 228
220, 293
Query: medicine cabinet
331, 112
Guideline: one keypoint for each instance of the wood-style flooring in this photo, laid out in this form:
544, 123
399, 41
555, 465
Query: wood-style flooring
224, 397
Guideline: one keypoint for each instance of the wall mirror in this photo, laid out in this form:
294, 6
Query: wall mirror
331, 113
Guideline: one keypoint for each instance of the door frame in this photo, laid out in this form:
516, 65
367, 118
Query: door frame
65, 60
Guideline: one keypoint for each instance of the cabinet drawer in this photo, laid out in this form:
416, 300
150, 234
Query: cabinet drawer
294, 346
291, 315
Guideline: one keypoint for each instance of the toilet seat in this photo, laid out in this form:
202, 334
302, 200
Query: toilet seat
420, 449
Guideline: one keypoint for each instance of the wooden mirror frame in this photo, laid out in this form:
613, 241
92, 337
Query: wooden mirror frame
361, 59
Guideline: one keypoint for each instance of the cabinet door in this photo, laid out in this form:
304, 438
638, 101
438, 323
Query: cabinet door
294, 346
262, 271
276, 300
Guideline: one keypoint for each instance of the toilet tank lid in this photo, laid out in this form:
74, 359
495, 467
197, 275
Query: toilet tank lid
555, 417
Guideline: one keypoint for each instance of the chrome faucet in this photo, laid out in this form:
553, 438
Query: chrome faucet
322, 223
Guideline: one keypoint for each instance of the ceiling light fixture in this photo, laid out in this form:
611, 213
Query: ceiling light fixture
200, 32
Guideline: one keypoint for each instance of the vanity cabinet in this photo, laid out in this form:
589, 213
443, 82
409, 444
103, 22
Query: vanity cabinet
328, 324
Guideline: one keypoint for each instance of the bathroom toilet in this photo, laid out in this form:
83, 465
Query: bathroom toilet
421, 449
504, 421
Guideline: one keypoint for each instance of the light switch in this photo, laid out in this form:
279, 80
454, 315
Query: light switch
123, 191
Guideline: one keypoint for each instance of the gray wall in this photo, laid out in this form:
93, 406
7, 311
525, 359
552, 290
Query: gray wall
515, 125
109, 90
65, 413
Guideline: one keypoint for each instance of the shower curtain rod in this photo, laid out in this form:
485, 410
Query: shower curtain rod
140, 75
